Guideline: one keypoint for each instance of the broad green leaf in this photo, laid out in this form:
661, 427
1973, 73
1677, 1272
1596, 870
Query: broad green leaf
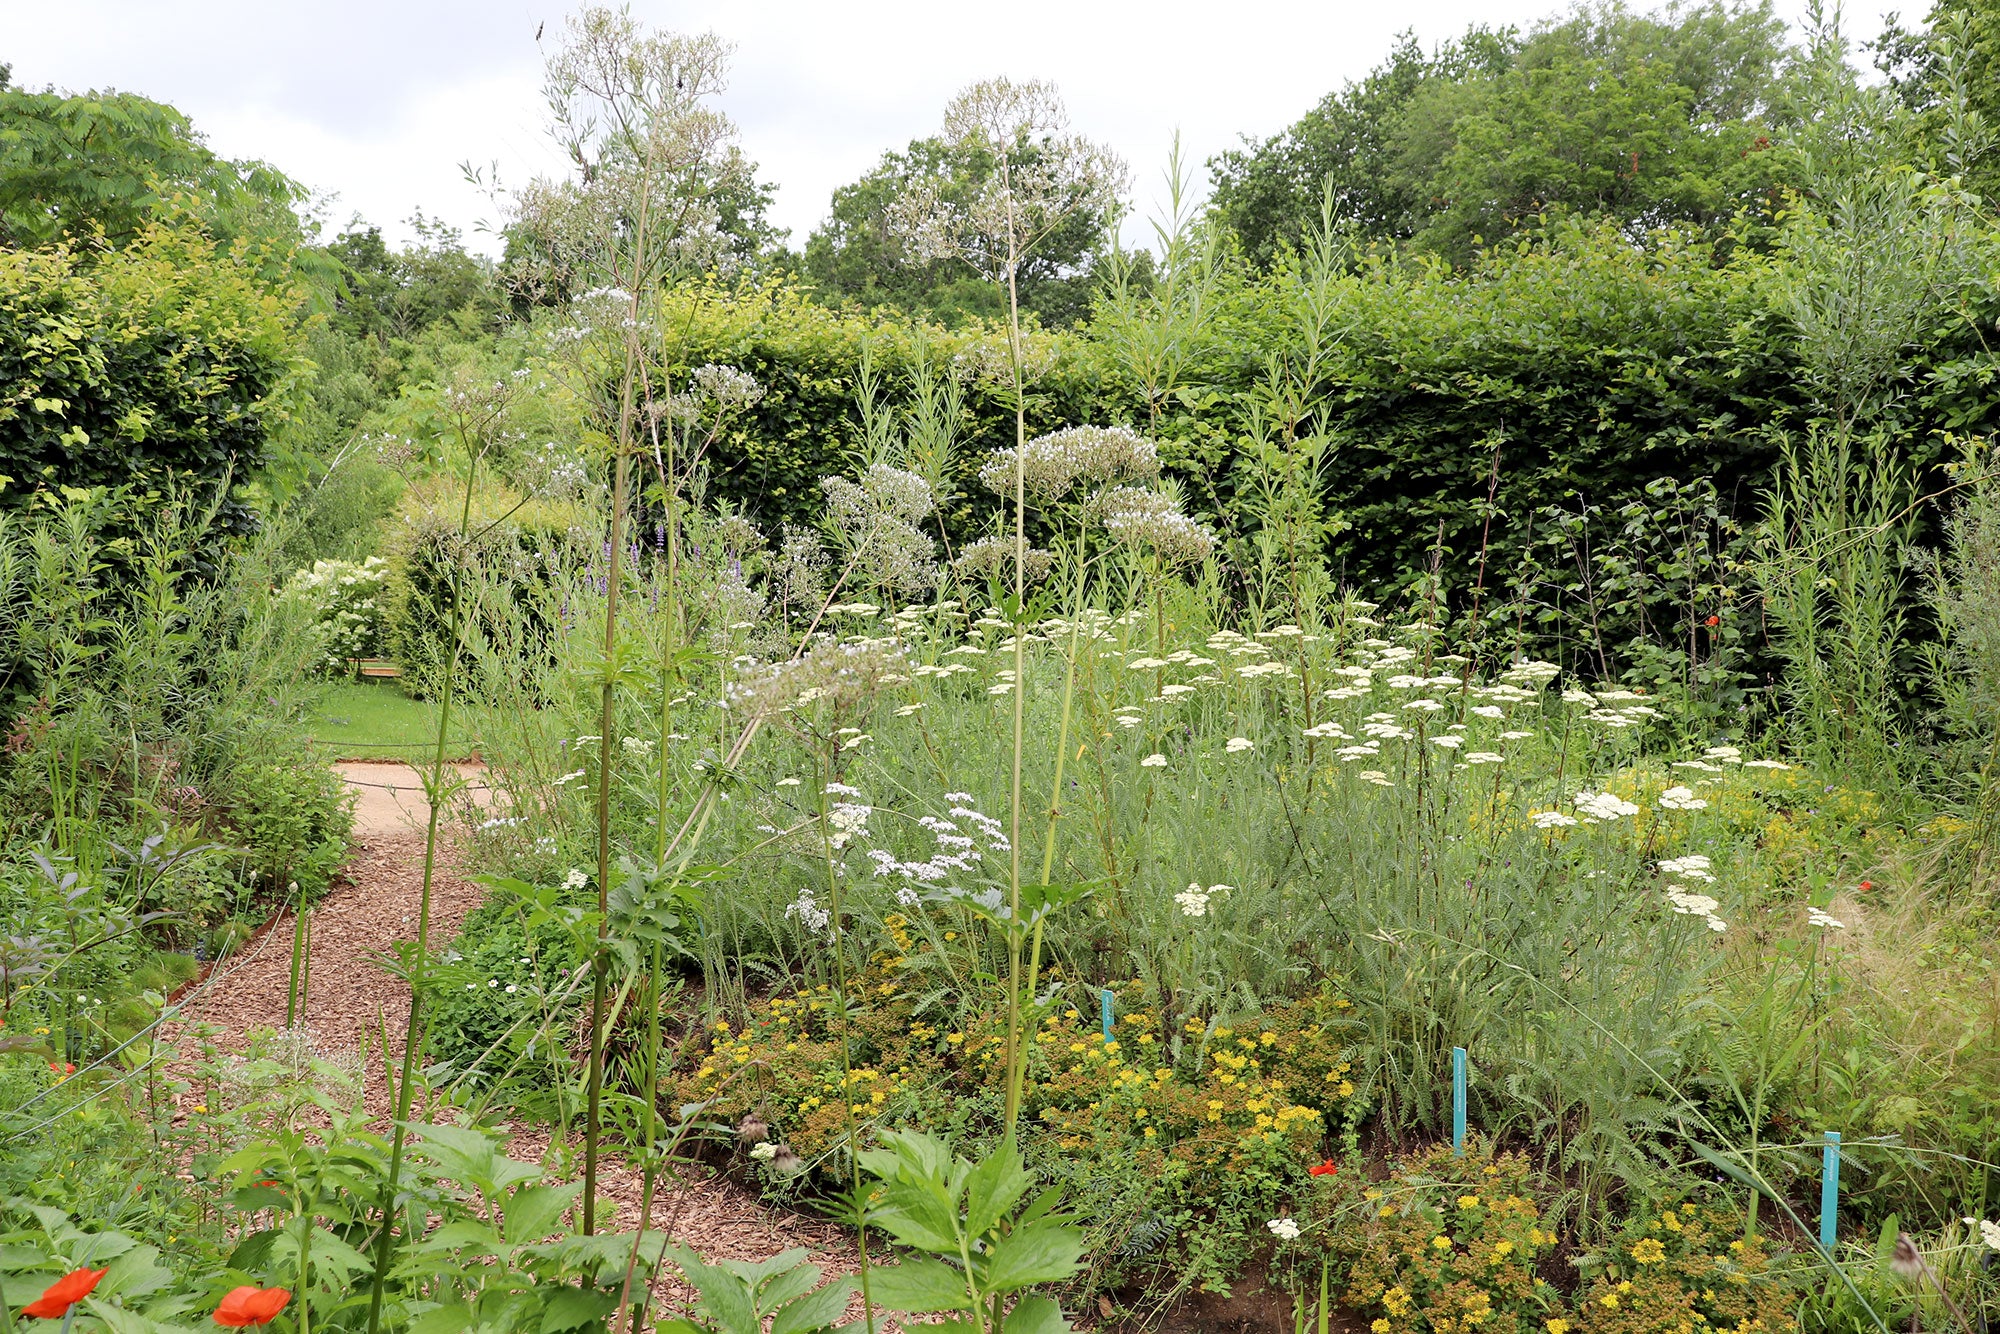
570, 1307
816, 1310
1035, 1315
465, 1155
447, 1319
1038, 1253
533, 1212
919, 1285
992, 1188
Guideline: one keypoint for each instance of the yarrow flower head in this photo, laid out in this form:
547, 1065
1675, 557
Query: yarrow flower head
1240, 743
1820, 918
1154, 761
1988, 1232
1284, 1229
1604, 805
1193, 901
1695, 905
1681, 799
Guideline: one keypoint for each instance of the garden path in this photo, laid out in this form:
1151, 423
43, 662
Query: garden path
374, 904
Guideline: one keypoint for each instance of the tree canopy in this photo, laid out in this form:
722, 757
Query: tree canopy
857, 256
76, 163
1649, 120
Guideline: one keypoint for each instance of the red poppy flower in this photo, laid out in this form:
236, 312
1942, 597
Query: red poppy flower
64, 1068
1867, 884
251, 1306
1325, 1169
65, 1292
1713, 621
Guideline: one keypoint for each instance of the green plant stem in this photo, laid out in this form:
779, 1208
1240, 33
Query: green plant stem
413, 1031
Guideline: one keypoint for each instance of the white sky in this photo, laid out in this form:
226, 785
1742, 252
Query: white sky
378, 101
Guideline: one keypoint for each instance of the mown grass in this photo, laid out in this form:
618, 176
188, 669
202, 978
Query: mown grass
379, 720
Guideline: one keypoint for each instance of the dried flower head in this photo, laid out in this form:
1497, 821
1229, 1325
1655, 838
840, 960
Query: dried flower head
1055, 464
993, 557
1152, 521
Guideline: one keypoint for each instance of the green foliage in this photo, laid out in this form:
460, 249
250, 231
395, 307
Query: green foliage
1645, 120
857, 256
112, 164
737, 1296
153, 370
978, 1248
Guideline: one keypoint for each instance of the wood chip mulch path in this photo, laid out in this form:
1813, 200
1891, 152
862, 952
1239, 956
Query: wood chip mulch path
373, 905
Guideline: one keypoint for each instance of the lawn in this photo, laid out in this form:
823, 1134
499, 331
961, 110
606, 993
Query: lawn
378, 720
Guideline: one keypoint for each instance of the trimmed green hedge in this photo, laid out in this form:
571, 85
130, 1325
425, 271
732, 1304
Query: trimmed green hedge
1594, 364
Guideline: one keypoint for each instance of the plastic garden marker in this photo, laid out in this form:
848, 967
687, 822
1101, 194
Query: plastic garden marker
1105, 996
1829, 1188
1458, 1100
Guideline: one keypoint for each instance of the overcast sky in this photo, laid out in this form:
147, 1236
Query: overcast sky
377, 102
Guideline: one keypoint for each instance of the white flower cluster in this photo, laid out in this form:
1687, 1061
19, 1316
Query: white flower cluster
1681, 799
1696, 905
1053, 465
847, 821
727, 386
1694, 866
993, 557
1604, 805
956, 850
807, 912
1988, 1232
1820, 918
1152, 520
1194, 899
343, 596
1284, 1229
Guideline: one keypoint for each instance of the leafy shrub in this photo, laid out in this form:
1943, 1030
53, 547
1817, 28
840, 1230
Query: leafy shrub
1449, 1242
148, 370
1683, 1268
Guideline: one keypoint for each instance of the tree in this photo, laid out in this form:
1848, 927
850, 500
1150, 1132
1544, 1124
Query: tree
856, 255
633, 113
1270, 194
394, 294
71, 165
1648, 120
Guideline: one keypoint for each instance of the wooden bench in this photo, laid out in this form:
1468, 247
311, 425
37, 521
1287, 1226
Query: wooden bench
374, 669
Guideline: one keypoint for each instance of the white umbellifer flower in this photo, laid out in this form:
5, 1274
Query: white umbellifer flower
1818, 917
1484, 757
1146, 664
576, 879
764, 1152
1128, 720
849, 819
1284, 1229
1240, 743
1154, 761
1575, 696
1604, 805
1515, 736
1489, 711
1175, 692
1193, 901
788, 782
1694, 866
1764, 764
1424, 705
1681, 799
1326, 730
1988, 1232
1727, 754
1552, 820
569, 778
636, 745
1703, 765
1448, 742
